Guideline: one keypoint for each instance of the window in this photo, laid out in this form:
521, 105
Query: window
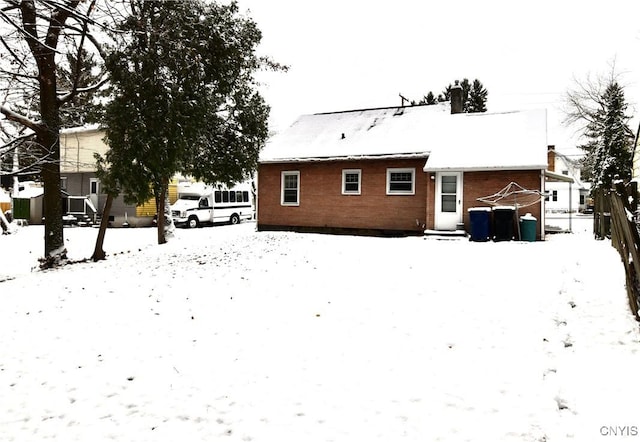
94, 186
565, 172
581, 199
218, 196
401, 181
232, 197
554, 195
290, 188
63, 183
449, 193
351, 181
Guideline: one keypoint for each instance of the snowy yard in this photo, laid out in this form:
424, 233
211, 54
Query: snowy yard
226, 333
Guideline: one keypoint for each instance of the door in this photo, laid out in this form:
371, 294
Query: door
448, 200
94, 191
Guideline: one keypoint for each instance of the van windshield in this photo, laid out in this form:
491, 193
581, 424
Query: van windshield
190, 197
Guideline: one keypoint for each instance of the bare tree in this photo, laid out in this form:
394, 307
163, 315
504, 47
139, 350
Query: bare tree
35, 37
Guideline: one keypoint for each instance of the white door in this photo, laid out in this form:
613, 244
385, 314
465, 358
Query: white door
448, 200
94, 191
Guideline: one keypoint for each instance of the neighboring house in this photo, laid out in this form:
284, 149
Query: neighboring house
78, 178
397, 170
565, 195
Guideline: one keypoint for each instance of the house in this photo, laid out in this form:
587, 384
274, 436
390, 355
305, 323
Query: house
79, 181
397, 170
569, 195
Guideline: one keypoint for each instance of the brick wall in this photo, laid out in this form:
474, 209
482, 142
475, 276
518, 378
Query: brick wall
481, 184
322, 204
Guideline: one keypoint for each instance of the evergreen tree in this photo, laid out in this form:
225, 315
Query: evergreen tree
474, 96
185, 99
446, 94
430, 99
466, 87
477, 101
608, 150
79, 70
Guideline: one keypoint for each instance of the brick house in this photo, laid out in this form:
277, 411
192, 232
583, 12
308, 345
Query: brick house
397, 170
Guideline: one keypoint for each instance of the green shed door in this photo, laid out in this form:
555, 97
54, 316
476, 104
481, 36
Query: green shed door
21, 208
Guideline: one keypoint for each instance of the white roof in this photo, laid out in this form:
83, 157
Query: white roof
509, 140
461, 141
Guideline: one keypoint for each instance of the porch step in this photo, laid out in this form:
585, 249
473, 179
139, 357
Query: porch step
445, 234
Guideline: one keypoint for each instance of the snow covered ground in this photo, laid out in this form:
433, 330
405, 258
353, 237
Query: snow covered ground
226, 333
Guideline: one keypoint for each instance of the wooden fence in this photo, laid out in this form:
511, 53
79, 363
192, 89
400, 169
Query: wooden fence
615, 218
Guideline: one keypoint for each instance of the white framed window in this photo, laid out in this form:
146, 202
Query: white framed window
554, 195
401, 181
351, 179
94, 186
63, 183
290, 186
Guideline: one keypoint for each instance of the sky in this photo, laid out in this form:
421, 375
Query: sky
225, 333
352, 54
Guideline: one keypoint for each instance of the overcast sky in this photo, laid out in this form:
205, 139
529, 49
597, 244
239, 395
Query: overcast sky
352, 54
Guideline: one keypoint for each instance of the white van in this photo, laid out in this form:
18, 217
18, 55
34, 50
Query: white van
206, 205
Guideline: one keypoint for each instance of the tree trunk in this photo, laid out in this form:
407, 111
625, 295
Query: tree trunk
98, 251
162, 239
50, 141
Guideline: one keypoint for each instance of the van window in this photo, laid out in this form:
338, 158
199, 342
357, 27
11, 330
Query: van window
245, 196
232, 197
225, 196
218, 196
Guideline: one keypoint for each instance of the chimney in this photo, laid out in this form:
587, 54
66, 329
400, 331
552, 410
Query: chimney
456, 98
551, 158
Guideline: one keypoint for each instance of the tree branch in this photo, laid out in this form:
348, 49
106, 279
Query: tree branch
69, 95
18, 118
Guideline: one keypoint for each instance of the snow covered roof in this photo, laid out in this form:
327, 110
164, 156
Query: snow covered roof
81, 129
393, 131
508, 140
461, 141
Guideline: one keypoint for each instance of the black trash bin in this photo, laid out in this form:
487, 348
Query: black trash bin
503, 223
480, 220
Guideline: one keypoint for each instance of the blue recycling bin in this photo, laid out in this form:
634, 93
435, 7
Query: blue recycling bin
480, 220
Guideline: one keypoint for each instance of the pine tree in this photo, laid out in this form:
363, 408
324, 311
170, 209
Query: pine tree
608, 151
474, 96
477, 98
430, 98
466, 87
79, 70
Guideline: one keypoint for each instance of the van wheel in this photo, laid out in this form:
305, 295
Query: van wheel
235, 219
193, 222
